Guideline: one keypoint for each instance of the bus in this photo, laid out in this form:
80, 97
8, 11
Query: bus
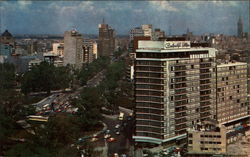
38, 118
121, 116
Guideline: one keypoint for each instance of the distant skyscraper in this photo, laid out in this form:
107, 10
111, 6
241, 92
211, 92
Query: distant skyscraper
106, 40
240, 27
73, 48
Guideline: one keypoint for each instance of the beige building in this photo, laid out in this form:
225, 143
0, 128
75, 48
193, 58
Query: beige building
232, 101
205, 140
174, 89
58, 49
34, 62
73, 49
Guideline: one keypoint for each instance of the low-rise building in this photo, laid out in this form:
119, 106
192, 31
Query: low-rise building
206, 140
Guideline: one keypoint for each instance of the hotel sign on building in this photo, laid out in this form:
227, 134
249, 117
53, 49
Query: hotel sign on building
176, 44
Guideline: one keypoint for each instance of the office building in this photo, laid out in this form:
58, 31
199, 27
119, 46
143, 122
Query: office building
73, 49
106, 40
174, 89
240, 28
232, 104
89, 50
206, 140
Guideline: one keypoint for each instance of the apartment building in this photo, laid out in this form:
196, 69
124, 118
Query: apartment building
174, 89
206, 140
232, 103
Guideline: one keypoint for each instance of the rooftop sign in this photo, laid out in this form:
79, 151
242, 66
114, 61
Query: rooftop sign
176, 44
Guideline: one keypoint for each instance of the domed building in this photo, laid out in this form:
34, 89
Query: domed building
7, 38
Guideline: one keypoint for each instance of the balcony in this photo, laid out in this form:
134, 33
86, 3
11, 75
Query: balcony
180, 127
180, 121
180, 115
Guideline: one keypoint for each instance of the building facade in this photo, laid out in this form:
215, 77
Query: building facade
232, 101
106, 40
89, 50
174, 89
207, 140
7, 38
73, 49
135, 32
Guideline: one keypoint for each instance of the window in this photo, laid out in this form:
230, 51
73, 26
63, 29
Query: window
190, 142
192, 66
238, 100
190, 135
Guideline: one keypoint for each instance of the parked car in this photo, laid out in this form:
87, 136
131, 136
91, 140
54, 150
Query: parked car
117, 132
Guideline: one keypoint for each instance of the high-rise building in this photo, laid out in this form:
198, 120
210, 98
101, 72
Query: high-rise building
73, 49
106, 40
89, 50
174, 89
240, 27
232, 103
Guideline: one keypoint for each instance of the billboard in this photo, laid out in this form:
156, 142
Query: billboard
176, 44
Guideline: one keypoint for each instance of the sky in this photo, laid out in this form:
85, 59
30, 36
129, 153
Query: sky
174, 17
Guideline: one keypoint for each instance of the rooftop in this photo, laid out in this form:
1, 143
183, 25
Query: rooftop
226, 64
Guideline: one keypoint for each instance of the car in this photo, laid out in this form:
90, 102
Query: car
117, 126
117, 133
116, 155
111, 139
95, 135
123, 155
107, 136
94, 139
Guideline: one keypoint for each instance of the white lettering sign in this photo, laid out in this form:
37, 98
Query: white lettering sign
176, 44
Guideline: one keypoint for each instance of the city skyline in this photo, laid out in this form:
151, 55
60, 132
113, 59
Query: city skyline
32, 17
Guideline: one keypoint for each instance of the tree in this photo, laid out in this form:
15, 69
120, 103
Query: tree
89, 108
46, 77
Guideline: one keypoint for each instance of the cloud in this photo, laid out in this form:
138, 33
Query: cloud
163, 6
24, 4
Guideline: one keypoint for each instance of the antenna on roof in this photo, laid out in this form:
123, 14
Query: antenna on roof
103, 21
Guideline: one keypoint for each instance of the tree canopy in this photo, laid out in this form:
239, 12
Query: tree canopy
46, 77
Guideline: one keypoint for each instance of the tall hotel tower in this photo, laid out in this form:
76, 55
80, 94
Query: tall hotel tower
174, 89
